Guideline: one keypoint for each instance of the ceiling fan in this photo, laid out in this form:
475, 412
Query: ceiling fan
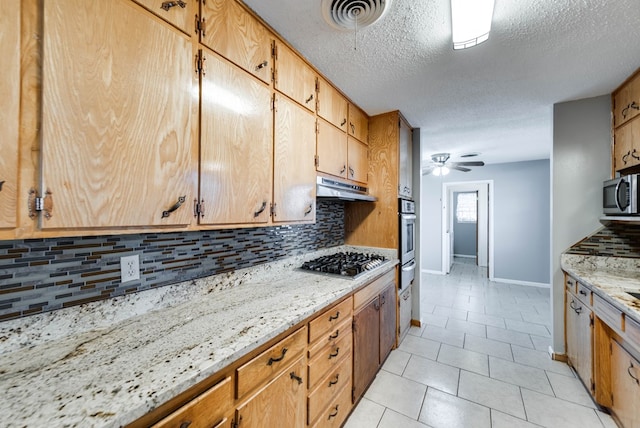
441, 166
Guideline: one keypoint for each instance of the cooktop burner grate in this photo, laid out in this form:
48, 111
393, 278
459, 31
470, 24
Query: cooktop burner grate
349, 264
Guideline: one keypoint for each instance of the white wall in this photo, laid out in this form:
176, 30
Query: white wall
521, 209
581, 161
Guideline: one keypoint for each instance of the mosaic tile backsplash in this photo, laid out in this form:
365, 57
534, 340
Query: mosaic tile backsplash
40, 275
614, 240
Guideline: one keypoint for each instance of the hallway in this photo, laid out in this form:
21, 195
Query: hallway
479, 361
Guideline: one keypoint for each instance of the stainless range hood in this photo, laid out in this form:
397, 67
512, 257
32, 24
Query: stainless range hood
333, 189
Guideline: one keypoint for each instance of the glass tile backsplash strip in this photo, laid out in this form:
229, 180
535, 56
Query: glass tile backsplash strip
614, 240
38, 275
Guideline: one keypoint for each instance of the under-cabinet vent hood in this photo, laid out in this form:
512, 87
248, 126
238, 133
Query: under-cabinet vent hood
333, 189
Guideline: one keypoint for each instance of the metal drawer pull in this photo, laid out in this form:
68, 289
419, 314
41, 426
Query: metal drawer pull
335, 335
334, 317
185, 424
333, 382
406, 296
353, 128
166, 6
343, 121
309, 209
343, 170
631, 374
584, 293
1, 183
261, 209
280, 358
573, 306
262, 65
352, 172
633, 105
296, 377
334, 354
334, 413
308, 99
175, 206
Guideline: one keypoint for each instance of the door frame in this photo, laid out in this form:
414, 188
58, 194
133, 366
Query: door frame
485, 222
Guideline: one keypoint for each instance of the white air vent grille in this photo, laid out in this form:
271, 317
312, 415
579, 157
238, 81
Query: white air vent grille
352, 14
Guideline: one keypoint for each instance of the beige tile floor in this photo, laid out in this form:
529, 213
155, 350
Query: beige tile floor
480, 360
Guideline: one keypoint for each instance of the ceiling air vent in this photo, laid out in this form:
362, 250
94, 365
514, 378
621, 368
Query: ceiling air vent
353, 14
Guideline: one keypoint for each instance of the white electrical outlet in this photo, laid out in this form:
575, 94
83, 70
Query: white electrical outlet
129, 268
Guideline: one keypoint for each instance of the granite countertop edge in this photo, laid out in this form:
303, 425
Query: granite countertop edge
105, 364
608, 277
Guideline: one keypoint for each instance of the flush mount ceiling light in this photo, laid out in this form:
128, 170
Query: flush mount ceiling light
352, 15
470, 22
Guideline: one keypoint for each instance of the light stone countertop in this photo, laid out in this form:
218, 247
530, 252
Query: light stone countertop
108, 363
608, 277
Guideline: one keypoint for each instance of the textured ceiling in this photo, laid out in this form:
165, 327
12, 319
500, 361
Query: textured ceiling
496, 98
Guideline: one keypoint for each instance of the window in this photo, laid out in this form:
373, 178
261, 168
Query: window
467, 207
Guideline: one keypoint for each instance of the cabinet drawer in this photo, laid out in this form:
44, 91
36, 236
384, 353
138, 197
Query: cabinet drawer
337, 411
328, 388
571, 284
330, 357
627, 101
207, 410
607, 313
373, 289
331, 337
268, 364
584, 294
632, 329
330, 319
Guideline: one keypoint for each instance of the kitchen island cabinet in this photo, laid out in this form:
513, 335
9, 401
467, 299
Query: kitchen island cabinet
9, 112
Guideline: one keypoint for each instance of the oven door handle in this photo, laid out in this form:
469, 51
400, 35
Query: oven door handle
408, 216
411, 266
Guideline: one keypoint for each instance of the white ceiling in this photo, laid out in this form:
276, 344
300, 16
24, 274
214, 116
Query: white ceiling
496, 98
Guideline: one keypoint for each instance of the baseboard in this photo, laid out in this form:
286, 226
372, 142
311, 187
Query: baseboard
433, 272
464, 256
416, 323
527, 283
557, 357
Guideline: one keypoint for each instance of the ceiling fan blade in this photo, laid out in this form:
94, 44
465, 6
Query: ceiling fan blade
472, 163
460, 168
428, 171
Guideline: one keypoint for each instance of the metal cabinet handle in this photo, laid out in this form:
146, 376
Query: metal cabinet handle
294, 376
343, 122
175, 206
334, 354
406, 296
633, 154
262, 65
625, 157
573, 306
308, 99
633, 105
309, 209
280, 358
352, 172
335, 381
631, 374
1, 183
383, 299
343, 170
334, 413
584, 293
334, 335
334, 317
185, 424
353, 128
261, 209
376, 305
166, 6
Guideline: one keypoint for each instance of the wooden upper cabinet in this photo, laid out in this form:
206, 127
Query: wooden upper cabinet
331, 150
332, 106
236, 147
116, 121
294, 180
626, 101
627, 145
293, 77
358, 124
234, 33
405, 174
177, 13
358, 160
9, 110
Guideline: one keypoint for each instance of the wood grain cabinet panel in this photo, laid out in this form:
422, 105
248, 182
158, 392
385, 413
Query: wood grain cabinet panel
331, 150
293, 77
358, 124
328, 358
116, 122
626, 101
358, 160
9, 111
625, 386
627, 145
337, 411
294, 181
332, 106
388, 312
579, 336
235, 34
326, 323
366, 346
236, 145
173, 12
328, 388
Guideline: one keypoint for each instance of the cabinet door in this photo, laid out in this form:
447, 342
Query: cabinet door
332, 150
236, 147
625, 386
627, 145
406, 159
358, 160
332, 106
366, 346
294, 77
9, 110
294, 178
580, 339
280, 404
388, 305
358, 124
173, 13
116, 122
235, 34
627, 102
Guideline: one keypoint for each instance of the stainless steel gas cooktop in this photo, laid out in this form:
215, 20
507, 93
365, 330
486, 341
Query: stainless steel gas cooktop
348, 264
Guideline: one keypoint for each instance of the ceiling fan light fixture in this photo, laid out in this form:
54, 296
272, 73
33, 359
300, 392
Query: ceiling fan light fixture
470, 22
441, 170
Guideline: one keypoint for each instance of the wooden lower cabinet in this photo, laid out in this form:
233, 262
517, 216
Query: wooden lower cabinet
337, 412
625, 386
279, 404
387, 320
579, 325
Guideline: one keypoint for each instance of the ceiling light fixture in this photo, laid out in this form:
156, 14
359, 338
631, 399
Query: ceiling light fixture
470, 22
441, 170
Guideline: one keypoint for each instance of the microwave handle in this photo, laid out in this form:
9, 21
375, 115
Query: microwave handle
617, 198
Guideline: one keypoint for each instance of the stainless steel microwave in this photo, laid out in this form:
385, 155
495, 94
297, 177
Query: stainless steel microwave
620, 195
